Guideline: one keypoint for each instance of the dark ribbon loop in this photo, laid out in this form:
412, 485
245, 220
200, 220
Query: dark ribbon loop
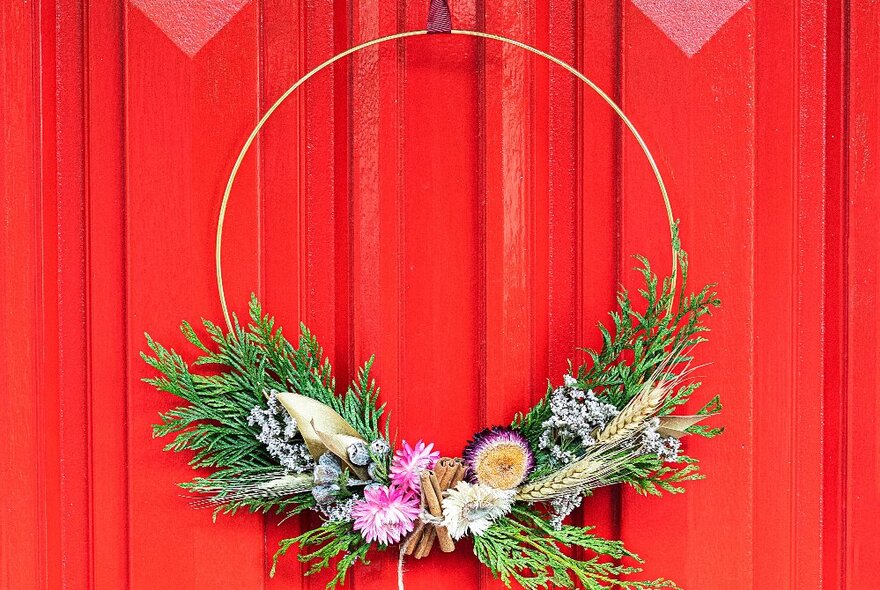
439, 19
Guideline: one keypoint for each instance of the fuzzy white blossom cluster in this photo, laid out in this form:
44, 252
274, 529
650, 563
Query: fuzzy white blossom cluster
574, 415
562, 506
339, 511
278, 432
665, 447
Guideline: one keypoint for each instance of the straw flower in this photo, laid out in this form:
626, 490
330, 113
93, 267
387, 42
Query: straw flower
409, 462
385, 514
472, 508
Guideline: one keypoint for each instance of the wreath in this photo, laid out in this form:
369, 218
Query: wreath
276, 434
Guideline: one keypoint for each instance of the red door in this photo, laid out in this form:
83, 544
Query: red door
464, 212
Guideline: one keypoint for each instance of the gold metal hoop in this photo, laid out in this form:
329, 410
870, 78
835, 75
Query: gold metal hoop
355, 49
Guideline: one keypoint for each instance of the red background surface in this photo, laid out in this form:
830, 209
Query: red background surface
461, 210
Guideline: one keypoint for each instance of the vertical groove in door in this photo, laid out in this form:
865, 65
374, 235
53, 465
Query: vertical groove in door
107, 301
263, 101
72, 296
835, 299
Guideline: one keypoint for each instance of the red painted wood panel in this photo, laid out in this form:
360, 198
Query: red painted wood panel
465, 212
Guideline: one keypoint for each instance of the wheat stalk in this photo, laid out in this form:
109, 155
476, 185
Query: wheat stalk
615, 445
646, 403
639, 410
598, 468
250, 487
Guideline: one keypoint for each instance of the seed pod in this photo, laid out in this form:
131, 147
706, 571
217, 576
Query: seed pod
325, 493
372, 471
325, 474
330, 460
358, 454
380, 447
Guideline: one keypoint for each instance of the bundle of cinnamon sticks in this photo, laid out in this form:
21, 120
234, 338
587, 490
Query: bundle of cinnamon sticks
446, 474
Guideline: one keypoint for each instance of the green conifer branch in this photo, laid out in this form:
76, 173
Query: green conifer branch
523, 548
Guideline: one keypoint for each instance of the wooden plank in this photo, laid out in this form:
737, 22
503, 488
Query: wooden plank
283, 203
508, 232
48, 416
697, 116
106, 311
835, 300
775, 237
512, 272
597, 206
187, 110
441, 317
863, 293
790, 236
68, 294
810, 198
23, 545
377, 193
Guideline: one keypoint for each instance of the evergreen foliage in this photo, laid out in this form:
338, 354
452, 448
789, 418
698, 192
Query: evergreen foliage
524, 548
248, 362
236, 370
652, 339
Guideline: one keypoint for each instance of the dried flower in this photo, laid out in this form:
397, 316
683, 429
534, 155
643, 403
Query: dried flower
665, 447
278, 432
339, 511
409, 462
499, 457
574, 415
385, 514
472, 508
562, 506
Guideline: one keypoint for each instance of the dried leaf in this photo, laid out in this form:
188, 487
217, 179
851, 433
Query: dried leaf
677, 425
312, 416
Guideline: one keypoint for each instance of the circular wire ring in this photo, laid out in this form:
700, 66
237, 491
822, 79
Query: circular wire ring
592, 85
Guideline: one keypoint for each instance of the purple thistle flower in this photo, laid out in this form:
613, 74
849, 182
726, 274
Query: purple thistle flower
499, 457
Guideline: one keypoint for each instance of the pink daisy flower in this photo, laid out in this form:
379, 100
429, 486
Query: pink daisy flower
385, 514
409, 462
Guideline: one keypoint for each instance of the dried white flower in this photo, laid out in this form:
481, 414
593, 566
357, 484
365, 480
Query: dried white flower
472, 508
574, 416
278, 432
562, 506
339, 511
665, 447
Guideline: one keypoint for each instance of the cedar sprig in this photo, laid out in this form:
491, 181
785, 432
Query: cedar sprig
522, 547
650, 476
333, 540
638, 344
251, 360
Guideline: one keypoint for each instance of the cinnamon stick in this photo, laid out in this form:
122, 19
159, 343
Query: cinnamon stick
414, 537
447, 545
421, 529
456, 475
425, 543
447, 473
448, 467
430, 491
